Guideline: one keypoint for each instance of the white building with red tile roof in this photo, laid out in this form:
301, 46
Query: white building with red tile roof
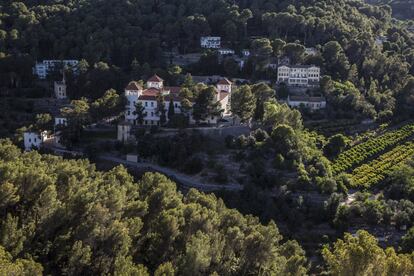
148, 97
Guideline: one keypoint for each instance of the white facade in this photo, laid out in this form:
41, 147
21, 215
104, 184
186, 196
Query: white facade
302, 76
61, 121
34, 139
210, 42
60, 90
226, 51
149, 101
311, 51
41, 69
224, 85
124, 132
246, 53
313, 103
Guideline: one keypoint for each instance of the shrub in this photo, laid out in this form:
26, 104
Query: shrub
193, 165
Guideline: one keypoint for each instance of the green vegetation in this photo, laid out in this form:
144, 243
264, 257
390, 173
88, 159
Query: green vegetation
361, 255
358, 154
75, 220
375, 171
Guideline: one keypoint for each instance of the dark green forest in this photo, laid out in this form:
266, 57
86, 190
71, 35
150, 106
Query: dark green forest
63, 217
401, 9
122, 40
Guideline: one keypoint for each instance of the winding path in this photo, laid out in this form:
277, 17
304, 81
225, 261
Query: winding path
183, 179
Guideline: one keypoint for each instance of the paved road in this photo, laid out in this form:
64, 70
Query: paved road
183, 179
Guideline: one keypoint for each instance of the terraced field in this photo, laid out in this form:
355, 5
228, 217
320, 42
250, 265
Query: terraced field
377, 170
357, 155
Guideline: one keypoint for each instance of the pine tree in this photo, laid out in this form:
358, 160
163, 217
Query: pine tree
161, 109
140, 113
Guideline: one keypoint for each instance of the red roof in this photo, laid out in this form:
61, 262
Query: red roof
155, 78
151, 92
173, 89
225, 81
167, 98
148, 98
133, 85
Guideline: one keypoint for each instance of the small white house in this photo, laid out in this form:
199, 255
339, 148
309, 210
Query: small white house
42, 69
311, 51
60, 90
224, 85
61, 121
210, 42
313, 103
246, 53
124, 132
226, 51
34, 139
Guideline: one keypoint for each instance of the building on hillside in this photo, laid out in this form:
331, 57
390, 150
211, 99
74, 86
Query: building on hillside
124, 132
246, 53
60, 89
210, 42
148, 98
225, 51
34, 139
42, 69
60, 121
305, 101
311, 51
299, 75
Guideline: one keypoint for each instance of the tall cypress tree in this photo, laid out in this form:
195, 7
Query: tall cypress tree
171, 109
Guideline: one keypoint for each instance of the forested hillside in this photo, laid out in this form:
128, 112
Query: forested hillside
401, 9
123, 40
63, 217
74, 220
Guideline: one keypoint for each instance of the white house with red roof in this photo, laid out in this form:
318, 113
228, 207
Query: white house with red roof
148, 97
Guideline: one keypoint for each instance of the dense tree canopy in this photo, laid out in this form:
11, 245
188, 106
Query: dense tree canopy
73, 219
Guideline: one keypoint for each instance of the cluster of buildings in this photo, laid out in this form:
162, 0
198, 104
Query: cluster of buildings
301, 78
35, 139
42, 69
299, 75
148, 97
214, 42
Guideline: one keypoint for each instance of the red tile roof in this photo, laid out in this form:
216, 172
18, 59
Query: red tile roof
155, 78
225, 81
133, 85
147, 98
173, 89
151, 92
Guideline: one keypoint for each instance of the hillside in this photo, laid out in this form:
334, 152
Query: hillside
401, 9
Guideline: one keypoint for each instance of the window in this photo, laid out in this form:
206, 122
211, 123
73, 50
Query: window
146, 103
152, 104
